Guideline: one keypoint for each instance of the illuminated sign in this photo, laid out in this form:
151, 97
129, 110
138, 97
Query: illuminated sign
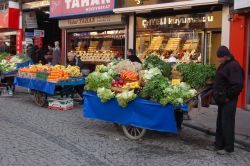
62, 8
175, 21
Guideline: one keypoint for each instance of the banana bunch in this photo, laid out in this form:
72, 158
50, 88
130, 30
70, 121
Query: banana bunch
74, 71
60, 67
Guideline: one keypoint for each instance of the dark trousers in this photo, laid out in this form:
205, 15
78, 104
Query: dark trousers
225, 125
179, 118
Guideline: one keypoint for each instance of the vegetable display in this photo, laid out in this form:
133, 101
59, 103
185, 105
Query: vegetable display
49, 73
196, 75
97, 80
129, 75
148, 74
127, 65
153, 90
155, 61
152, 81
8, 63
125, 97
105, 94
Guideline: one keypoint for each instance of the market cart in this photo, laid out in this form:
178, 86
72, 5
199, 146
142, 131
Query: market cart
7, 77
136, 118
43, 89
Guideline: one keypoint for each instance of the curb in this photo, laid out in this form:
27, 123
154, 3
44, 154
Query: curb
209, 132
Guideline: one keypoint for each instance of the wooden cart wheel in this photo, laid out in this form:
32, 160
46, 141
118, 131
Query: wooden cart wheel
40, 98
133, 133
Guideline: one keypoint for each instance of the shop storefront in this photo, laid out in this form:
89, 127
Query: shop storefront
92, 30
187, 30
187, 37
10, 33
240, 45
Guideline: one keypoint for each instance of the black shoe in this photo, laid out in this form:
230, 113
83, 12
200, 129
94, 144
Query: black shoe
224, 152
213, 148
186, 116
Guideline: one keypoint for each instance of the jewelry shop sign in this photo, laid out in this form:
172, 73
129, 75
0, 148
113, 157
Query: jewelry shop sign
91, 21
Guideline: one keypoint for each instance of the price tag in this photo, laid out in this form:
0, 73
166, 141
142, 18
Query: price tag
176, 81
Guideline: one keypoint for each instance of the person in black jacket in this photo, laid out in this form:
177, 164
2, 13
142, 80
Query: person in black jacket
132, 57
227, 86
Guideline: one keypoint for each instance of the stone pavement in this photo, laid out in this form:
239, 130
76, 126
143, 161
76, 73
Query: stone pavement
35, 136
205, 119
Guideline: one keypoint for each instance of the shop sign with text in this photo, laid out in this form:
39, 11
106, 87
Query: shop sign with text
38, 33
64, 8
176, 21
19, 41
91, 21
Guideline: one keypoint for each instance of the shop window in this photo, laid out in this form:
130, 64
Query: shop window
183, 45
3, 7
186, 38
97, 46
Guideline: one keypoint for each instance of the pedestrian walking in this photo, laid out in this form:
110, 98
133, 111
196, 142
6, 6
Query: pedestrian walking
227, 86
56, 56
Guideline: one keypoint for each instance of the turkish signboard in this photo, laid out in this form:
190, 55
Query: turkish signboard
19, 41
176, 20
30, 20
38, 33
38, 41
29, 35
186, 21
240, 4
91, 21
64, 8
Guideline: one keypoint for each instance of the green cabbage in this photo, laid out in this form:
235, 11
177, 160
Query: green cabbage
105, 94
151, 72
97, 80
125, 97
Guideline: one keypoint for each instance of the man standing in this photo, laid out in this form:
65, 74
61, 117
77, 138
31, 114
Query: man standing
56, 56
227, 87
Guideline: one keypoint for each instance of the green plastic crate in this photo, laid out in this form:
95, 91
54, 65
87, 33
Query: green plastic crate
42, 76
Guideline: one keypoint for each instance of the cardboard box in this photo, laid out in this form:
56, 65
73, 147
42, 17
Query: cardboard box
62, 104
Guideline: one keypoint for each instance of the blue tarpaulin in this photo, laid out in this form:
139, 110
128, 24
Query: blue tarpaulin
47, 87
43, 86
21, 65
138, 113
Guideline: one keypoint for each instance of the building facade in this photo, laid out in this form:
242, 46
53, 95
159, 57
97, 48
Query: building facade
240, 44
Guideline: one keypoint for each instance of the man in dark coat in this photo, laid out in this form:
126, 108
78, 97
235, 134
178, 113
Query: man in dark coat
227, 86
132, 57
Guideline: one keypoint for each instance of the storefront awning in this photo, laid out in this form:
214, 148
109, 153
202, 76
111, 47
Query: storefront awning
176, 5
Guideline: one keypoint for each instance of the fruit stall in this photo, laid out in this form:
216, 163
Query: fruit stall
9, 66
143, 96
46, 81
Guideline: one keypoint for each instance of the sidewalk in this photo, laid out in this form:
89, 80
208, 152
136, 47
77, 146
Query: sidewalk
205, 120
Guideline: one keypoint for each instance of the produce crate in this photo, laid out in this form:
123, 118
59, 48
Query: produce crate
42, 76
60, 104
22, 74
31, 75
